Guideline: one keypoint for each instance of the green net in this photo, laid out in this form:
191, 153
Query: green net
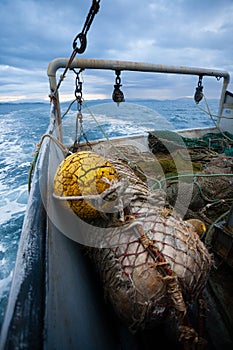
218, 142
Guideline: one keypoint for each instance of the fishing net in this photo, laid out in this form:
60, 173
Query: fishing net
211, 189
154, 262
151, 262
211, 158
208, 143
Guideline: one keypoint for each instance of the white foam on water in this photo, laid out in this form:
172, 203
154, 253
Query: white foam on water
125, 119
4, 284
12, 203
2, 248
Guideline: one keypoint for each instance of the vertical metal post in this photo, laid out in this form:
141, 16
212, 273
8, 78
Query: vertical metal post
222, 98
56, 102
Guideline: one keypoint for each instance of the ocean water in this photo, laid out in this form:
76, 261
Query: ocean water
23, 124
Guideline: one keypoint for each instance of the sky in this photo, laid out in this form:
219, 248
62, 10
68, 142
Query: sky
195, 33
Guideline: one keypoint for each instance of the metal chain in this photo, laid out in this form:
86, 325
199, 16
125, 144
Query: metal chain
78, 87
79, 131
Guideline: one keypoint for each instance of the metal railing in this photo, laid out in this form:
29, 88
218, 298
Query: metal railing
83, 63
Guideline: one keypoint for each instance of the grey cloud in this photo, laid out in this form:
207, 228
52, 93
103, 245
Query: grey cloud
179, 32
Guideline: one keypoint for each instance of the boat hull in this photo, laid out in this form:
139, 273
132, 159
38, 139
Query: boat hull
56, 299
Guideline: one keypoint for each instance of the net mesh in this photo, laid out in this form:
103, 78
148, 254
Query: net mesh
155, 262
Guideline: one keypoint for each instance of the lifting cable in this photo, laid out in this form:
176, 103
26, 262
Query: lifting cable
82, 37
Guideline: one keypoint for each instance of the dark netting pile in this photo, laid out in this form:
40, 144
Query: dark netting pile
211, 157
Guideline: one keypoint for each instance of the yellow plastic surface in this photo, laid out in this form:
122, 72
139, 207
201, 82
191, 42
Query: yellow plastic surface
81, 174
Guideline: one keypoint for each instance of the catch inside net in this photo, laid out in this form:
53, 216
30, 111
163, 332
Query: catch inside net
153, 263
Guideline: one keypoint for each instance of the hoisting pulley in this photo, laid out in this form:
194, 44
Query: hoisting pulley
199, 90
117, 94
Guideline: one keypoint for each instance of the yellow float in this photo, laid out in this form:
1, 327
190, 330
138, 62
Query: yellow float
83, 174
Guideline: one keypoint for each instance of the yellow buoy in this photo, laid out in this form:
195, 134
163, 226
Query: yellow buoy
83, 174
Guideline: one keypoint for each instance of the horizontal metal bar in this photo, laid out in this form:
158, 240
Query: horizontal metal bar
132, 66
85, 63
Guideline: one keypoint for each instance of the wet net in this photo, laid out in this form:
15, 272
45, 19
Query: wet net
154, 263
212, 163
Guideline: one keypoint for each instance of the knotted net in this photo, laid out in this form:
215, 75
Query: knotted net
155, 262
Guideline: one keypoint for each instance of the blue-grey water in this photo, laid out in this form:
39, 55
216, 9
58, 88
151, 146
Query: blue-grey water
23, 124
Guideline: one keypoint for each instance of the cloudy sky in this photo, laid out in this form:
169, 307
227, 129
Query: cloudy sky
195, 33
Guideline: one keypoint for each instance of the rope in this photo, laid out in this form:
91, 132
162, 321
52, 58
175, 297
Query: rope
130, 163
202, 193
212, 117
209, 236
68, 108
38, 147
113, 187
192, 175
187, 334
